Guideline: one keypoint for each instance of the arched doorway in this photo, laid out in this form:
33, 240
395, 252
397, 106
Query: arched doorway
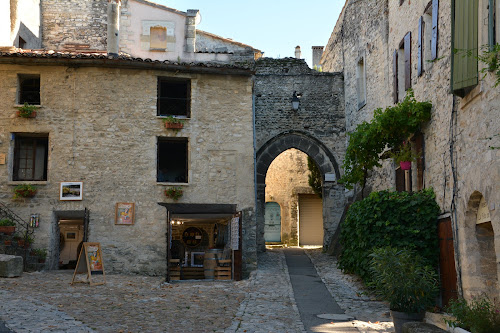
333, 193
479, 268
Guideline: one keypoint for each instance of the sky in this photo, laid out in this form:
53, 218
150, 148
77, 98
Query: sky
273, 26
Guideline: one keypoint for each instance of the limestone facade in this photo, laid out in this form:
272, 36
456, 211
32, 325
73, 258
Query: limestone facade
460, 154
100, 118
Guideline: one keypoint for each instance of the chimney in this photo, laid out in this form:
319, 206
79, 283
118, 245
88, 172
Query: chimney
317, 53
298, 54
113, 27
191, 21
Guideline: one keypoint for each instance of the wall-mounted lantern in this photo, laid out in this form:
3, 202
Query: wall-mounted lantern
295, 101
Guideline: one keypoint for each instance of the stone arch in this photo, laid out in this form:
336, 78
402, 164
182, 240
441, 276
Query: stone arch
478, 255
333, 193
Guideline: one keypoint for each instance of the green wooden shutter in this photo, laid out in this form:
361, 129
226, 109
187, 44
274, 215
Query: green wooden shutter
420, 56
435, 21
465, 46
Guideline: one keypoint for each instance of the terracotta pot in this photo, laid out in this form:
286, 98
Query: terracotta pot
405, 165
174, 125
8, 230
32, 115
399, 318
7, 242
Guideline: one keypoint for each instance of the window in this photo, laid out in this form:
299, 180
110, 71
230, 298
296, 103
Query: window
427, 37
30, 157
172, 160
361, 82
158, 38
174, 97
21, 43
29, 89
464, 66
402, 68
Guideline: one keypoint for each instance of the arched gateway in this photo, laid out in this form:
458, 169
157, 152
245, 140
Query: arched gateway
314, 124
333, 193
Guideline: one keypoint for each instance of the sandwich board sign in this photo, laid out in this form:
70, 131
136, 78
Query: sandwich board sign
90, 263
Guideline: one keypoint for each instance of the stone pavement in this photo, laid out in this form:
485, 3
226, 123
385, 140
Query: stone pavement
46, 302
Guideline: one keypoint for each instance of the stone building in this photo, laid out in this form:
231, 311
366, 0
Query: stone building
386, 47
103, 96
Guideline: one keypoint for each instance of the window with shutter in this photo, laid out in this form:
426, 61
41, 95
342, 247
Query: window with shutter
361, 82
435, 20
464, 74
420, 47
407, 53
395, 84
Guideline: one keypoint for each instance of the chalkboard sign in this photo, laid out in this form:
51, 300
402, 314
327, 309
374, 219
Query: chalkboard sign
90, 263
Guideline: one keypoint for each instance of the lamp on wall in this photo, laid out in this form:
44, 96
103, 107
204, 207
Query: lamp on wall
295, 101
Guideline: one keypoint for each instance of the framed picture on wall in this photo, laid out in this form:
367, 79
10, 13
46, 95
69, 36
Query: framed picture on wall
71, 191
124, 213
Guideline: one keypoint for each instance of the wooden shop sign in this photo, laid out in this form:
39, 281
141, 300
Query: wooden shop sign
90, 263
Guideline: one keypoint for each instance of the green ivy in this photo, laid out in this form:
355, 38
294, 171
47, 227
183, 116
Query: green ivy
314, 177
387, 131
397, 219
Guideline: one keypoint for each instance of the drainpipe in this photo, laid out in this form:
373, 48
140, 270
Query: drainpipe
113, 42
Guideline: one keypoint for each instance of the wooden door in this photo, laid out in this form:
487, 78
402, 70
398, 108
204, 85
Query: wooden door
448, 273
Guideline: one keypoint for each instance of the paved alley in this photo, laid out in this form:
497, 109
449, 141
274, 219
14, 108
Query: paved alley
46, 302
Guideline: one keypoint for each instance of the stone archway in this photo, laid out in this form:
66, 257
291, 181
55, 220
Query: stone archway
479, 259
333, 193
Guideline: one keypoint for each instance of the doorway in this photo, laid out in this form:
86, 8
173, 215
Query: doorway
70, 242
310, 220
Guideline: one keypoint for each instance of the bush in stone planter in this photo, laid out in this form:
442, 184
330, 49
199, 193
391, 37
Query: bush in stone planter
40, 253
479, 315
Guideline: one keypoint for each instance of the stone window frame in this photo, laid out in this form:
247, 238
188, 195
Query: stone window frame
402, 68
155, 45
169, 156
28, 89
169, 27
361, 86
40, 145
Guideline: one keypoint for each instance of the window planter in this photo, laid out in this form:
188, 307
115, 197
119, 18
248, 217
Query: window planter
24, 191
26, 115
174, 193
173, 122
174, 125
8, 230
27, 111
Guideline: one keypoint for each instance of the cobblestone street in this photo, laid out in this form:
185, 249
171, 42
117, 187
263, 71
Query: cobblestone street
46, 302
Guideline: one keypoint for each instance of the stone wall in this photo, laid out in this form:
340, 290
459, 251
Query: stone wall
74, 21
286, 178
103, 131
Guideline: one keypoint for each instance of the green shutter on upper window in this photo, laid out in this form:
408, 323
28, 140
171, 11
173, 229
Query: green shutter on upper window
465, 46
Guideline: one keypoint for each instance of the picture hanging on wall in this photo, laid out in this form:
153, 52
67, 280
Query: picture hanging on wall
71, 191
124, 213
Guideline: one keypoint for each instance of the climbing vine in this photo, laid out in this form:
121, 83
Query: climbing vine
382, 137
314, 177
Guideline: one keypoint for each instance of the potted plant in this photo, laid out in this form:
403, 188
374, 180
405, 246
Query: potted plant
41, 254
24, 191
479, 315
402, 279
404, 156
173, 122
174, 193
7, 226
27, 111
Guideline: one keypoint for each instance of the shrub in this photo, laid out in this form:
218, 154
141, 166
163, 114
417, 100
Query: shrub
397, 219
480, 315
401, 278
7, 223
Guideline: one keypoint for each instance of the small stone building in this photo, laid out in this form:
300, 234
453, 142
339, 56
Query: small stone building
386, 47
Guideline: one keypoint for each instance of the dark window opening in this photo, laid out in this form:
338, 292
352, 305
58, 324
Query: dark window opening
30, 157
172, 160
403, 180
22, 43
174, 97
29, 89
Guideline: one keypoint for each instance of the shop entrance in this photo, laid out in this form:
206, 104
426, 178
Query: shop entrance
203, 242
71, 230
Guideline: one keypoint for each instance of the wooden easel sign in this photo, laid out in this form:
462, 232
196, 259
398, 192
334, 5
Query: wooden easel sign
90, 263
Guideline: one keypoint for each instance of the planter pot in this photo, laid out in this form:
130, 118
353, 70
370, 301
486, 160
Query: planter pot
8, 230
32, 115
457, 330
21, 242
405, 165
399, 318
25, 193
174, 125
7, 242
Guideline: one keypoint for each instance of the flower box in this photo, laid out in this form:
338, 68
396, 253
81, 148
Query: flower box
174, 125
8, 230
